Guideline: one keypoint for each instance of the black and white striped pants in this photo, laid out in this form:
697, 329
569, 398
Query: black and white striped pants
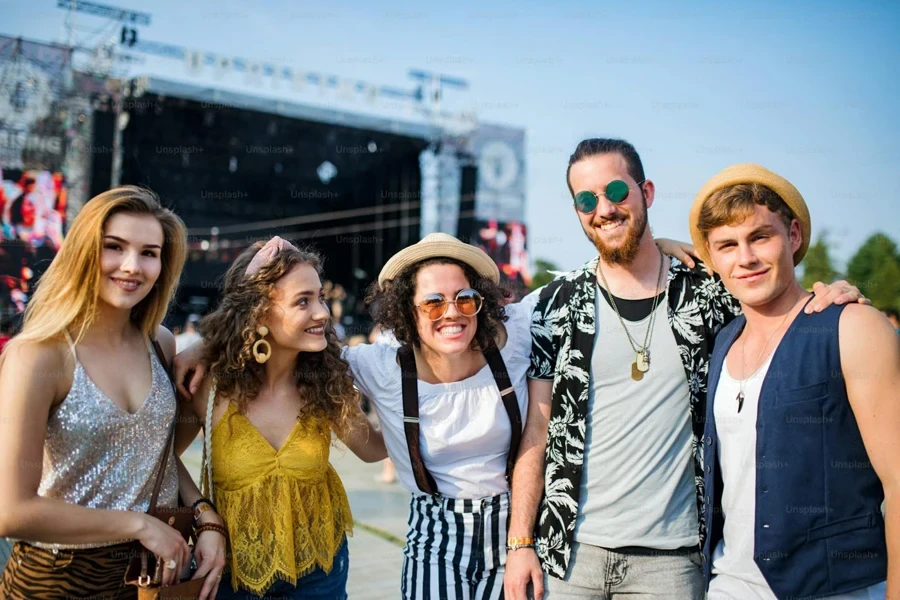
455, 548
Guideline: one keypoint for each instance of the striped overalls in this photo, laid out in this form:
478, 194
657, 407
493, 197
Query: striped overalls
455, 547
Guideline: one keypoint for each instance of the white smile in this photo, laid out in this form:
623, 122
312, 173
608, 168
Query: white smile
610, 225
451, 330
129, 285
316, 330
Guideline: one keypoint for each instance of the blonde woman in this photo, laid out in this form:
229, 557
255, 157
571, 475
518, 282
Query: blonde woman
87, 407
277, 391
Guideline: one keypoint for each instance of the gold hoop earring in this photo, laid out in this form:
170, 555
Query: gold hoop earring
263, 356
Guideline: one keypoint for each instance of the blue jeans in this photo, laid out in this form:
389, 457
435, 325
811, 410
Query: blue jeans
318, 585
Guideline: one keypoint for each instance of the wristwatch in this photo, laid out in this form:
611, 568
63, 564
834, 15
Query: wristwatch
200, 508
514, 543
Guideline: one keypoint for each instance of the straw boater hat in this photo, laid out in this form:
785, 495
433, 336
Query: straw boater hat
750, 173
440, 245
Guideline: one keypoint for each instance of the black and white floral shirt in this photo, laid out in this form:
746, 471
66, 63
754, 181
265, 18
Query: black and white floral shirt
562, 331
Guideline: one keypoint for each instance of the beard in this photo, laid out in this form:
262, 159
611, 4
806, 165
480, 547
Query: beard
623, 254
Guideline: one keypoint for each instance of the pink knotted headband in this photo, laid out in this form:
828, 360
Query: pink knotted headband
269, 251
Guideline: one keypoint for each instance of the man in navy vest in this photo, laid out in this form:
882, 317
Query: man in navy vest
802, 444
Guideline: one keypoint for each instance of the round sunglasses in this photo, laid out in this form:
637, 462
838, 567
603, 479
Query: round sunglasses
616, 192
434, 306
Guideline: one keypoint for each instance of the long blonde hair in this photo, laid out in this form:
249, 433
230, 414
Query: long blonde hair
68, 292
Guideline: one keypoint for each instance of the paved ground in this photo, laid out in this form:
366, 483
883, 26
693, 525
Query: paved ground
376, 554
375, 562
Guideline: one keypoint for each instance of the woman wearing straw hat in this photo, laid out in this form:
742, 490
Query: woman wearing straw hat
452, 401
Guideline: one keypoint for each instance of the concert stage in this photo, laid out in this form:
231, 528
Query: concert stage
241, 168
358, 188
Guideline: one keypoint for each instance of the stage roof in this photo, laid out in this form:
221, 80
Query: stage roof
176, 89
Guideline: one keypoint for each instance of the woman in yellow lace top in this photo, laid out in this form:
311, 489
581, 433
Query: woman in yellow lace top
277, 389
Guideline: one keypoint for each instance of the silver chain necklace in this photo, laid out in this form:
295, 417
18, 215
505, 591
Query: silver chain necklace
641, 362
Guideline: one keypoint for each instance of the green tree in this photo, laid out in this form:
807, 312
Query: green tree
542, 275
817, 264
875, 270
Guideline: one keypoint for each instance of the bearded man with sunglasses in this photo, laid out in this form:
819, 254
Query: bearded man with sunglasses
610, 465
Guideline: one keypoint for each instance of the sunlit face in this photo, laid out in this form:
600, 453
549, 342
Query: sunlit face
130, 259
614, 229
453, 333
755, 257
298, 315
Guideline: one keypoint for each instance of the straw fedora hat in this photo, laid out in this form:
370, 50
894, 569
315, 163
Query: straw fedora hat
440, 245
751, 173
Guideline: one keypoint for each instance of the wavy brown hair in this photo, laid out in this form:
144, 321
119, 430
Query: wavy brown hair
391, 305
733, 204
323, 378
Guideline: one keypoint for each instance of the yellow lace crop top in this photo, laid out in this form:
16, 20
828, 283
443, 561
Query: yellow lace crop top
286, 511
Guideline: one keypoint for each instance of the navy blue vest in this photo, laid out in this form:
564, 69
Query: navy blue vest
819, 528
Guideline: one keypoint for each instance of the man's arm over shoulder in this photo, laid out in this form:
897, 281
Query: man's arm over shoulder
870, 362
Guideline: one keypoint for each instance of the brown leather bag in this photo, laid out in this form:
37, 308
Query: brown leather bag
145, 570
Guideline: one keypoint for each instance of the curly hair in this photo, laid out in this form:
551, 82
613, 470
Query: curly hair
391, 305
323, 378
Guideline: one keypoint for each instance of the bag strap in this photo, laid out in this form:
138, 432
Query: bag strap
206, 461
168, 447
409, 378
142, 554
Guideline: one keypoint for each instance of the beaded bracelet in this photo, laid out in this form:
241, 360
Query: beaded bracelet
210, 527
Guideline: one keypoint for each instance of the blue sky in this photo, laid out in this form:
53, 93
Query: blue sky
810, 90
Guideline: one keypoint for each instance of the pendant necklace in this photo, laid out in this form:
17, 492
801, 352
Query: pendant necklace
641, 362
740, 395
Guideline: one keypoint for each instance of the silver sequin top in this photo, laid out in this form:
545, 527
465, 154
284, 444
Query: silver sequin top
98, 455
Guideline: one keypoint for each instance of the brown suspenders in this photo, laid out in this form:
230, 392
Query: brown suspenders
409, 377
